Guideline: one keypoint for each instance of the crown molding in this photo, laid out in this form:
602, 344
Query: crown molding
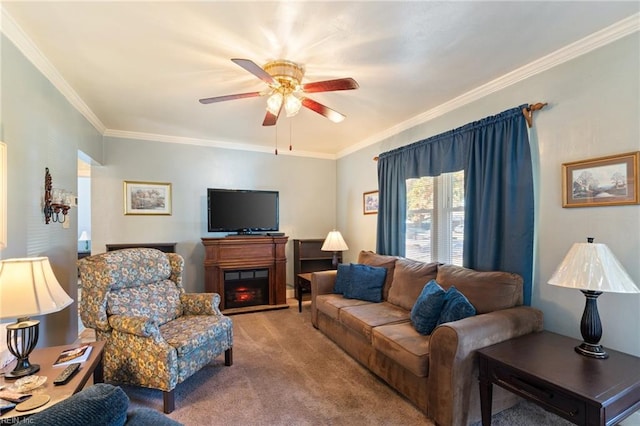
21, 40
598, 39
151, 137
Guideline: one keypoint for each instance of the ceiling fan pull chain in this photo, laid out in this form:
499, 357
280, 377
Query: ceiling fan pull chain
290, 134
276, 139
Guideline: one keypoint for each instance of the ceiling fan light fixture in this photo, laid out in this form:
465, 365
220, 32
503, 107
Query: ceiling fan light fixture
274, 103
292, 105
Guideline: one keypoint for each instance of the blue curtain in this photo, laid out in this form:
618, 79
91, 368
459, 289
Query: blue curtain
499, 201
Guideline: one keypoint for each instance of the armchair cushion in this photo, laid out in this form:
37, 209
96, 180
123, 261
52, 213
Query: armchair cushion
159, 301
193, 331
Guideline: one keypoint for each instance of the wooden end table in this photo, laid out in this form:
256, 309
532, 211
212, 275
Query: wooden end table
45, 357
303, 282
544, 368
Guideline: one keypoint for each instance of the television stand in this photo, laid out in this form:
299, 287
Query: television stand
235, 256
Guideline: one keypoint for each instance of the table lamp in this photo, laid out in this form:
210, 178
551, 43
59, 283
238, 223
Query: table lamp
335, 243
84, 237
593, 269
28, 288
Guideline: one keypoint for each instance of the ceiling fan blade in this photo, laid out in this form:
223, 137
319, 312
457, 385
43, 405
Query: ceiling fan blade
332, 115
330, 85
256, 70
230, 97
271, 119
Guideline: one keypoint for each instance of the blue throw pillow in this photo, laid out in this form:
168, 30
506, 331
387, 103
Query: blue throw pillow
342, 278
365, 282
456, 307
426, 310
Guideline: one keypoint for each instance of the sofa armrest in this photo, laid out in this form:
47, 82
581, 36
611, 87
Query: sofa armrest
139, 326
321, 283
452, 360
201, 304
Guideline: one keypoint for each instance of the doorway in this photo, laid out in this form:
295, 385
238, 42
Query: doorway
84, 217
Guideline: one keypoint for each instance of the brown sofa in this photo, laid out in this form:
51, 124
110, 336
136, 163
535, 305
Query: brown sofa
438, 372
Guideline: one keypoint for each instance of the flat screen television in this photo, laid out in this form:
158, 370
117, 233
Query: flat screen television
242, 211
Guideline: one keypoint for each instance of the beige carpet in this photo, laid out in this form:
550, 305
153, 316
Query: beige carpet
285, 372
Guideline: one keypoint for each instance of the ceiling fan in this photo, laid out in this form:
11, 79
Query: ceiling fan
286, 90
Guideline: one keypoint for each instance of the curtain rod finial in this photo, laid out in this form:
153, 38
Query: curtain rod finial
528, 112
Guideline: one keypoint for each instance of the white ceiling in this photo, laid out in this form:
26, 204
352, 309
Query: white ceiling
137, 69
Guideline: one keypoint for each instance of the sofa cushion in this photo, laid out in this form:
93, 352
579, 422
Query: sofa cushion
403, 344
365, 282
409, 278
363, 318
426, 311
342, 278
456, 307
487, 291
330, 304
387, 262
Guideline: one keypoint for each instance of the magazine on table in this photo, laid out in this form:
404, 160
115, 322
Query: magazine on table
69, 356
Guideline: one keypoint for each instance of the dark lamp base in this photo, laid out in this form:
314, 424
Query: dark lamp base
22, 372
592, 351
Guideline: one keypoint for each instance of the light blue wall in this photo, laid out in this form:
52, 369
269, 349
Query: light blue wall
41, 129
594, 105
306, 186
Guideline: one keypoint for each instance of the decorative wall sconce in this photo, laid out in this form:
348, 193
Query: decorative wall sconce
57, 202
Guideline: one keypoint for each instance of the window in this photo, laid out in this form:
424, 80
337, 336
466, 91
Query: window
435, 218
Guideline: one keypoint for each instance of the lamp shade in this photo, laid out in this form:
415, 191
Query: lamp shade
84, 236
334, 242
591, 266
28, 287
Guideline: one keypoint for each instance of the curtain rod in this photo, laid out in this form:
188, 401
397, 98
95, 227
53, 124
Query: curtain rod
526, 111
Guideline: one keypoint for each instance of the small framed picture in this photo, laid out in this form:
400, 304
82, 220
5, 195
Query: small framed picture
370, 202
604, 181
147, 198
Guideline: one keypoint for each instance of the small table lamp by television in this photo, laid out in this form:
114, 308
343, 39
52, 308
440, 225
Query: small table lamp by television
335, 243
28, 288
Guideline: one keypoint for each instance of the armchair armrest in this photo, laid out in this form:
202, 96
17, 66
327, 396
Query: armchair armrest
139, 326
201, 304
452, 361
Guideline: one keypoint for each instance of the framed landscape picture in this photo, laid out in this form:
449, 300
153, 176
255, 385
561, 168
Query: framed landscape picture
604, 181
147, 198
370, 202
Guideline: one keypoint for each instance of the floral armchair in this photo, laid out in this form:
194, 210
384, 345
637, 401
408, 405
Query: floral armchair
156, 334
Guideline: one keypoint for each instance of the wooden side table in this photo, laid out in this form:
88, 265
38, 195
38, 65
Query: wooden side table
544, 368
45, 357
303, 282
